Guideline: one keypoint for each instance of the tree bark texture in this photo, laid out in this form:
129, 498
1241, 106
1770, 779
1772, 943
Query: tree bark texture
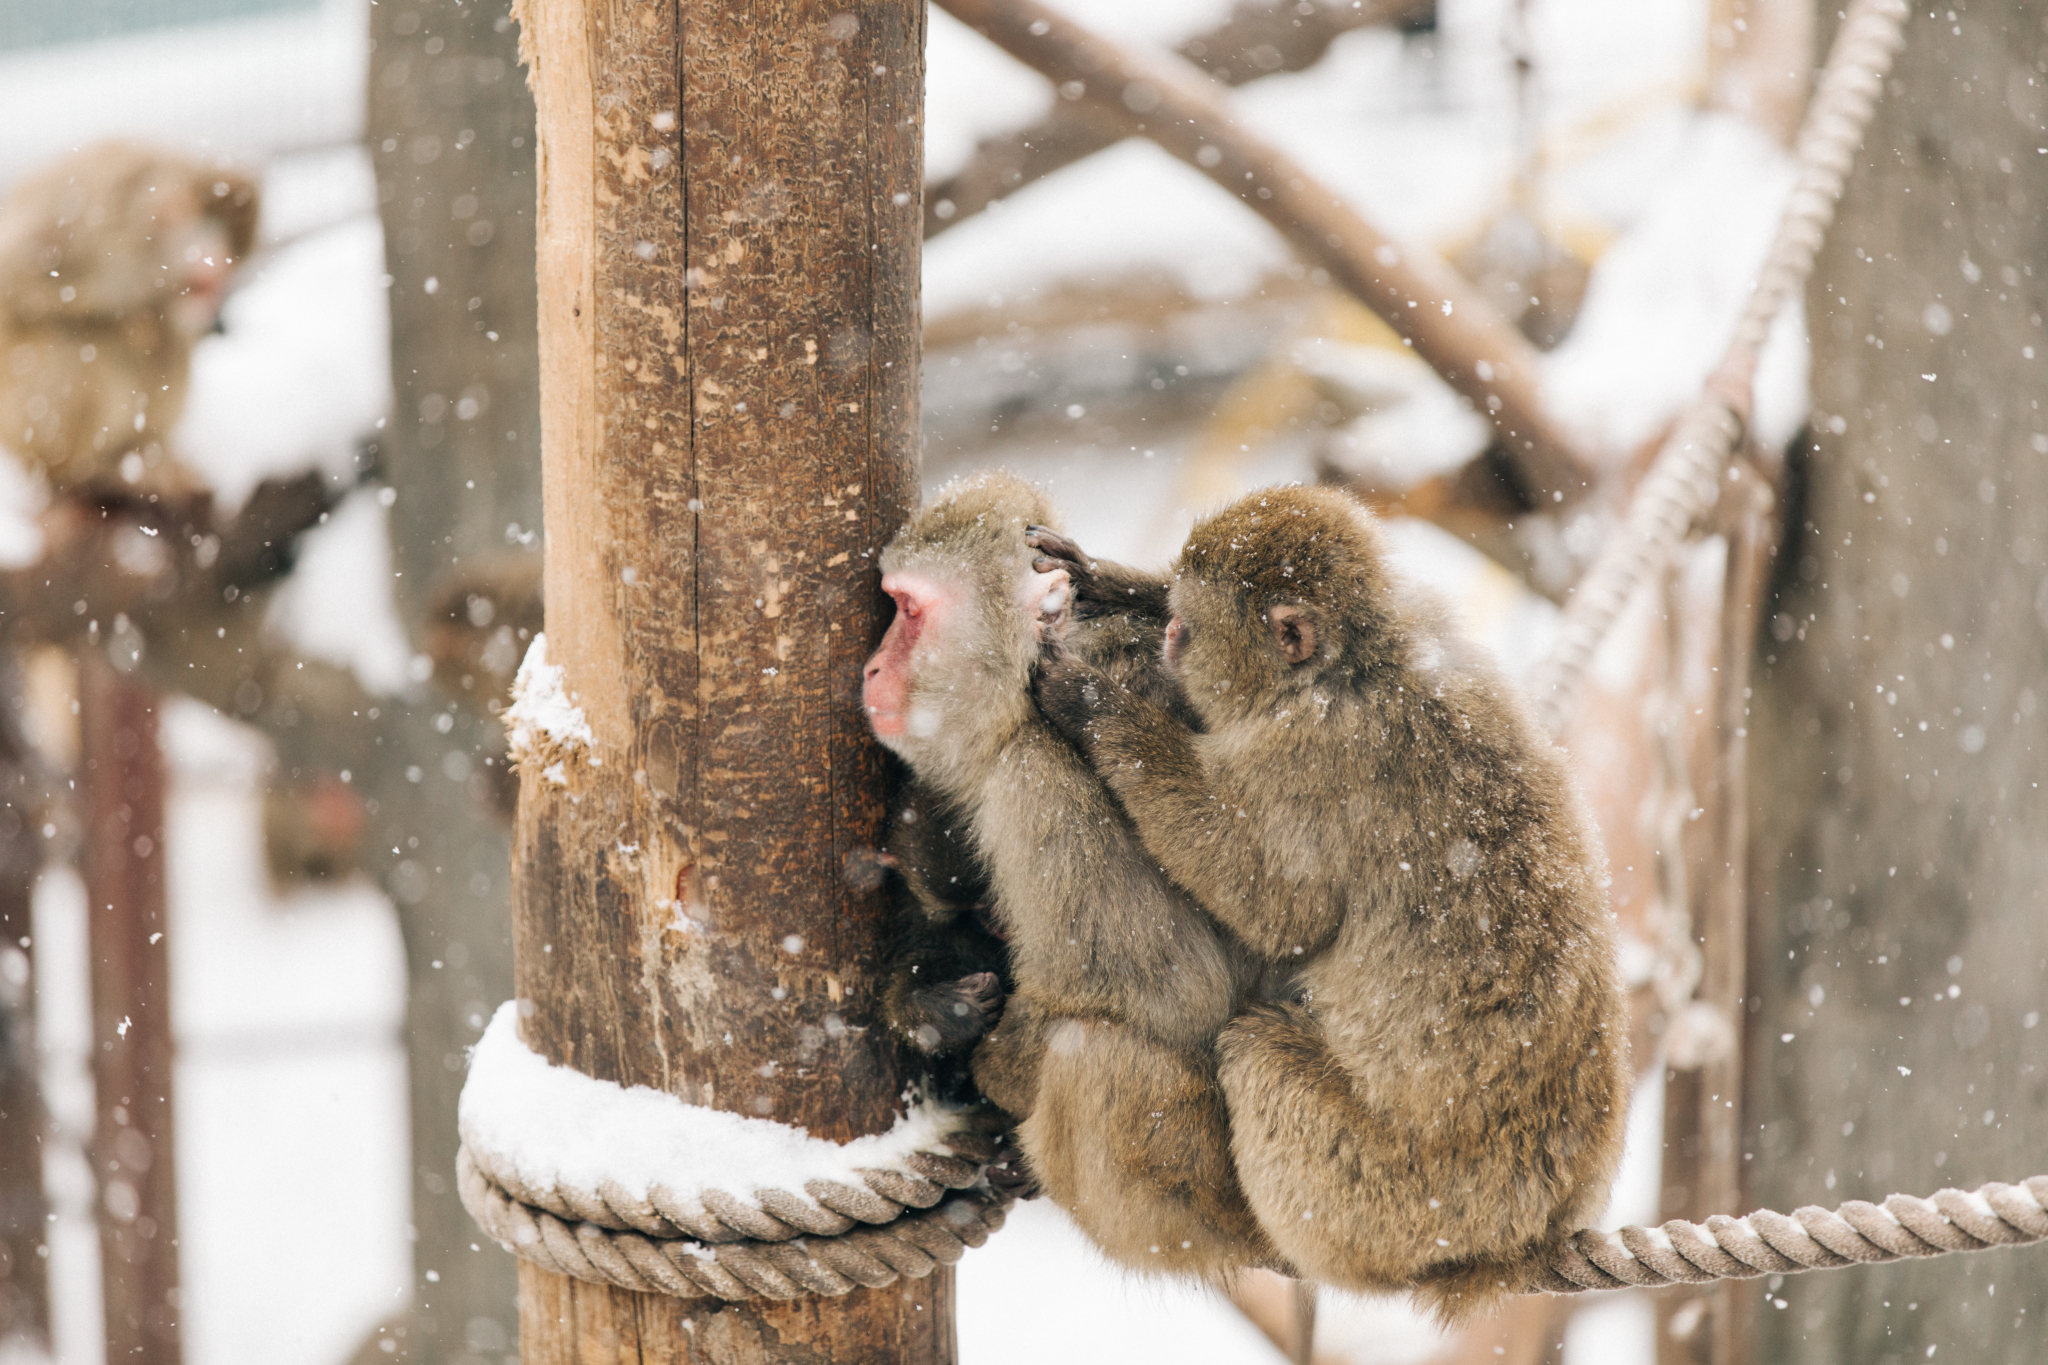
133, 1154
450, 129
1901, 716
729, 230
24, 1208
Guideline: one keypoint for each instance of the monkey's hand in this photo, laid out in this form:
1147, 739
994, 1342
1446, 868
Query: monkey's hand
1073, 695
1095, 587
1011, 1176
951, 1014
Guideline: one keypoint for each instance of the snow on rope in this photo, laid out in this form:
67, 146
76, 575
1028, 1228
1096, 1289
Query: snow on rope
1684, 482
633, 1187
1811, 1238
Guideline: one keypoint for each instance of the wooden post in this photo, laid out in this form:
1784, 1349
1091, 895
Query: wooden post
24, 1209
122, 782
729, 230
1899, 877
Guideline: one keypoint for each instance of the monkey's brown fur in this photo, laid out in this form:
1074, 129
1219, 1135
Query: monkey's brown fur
1438, 1098
1106, 1048
100, 307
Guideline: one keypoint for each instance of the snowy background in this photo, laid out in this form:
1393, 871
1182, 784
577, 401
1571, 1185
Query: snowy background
288, 1010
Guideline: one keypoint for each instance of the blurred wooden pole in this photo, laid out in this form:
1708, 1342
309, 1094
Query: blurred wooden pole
449, 127
121, 778
24, 1208
1703, 1106
729, 239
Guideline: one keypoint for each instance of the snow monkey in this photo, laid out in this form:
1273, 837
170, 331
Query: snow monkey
1106, 1048
113, 262
1437, 1100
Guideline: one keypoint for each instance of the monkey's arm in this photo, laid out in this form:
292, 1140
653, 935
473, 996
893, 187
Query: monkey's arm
1148, 760
1099, 587
949, 967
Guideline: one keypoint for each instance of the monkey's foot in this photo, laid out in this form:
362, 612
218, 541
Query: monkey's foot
1012, 1177
954, 1013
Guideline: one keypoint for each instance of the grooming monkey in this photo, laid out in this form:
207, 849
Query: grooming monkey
113, 263
1436, 1099
1106, 1047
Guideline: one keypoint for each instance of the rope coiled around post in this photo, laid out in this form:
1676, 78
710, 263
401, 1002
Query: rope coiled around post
1684, 482
843, 1237
1810, 1238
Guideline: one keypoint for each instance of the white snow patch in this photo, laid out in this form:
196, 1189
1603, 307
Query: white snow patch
23, 497
337, 604
1611, 1329
245, 89
1105, 1313
301, 371
1662, 302
543, 723
562, 1129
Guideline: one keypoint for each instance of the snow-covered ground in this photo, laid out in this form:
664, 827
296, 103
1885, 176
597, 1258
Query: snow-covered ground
288, 1009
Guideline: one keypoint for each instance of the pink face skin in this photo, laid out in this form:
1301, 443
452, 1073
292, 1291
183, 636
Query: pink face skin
885, 686
923, 604
202, 251
1176, 641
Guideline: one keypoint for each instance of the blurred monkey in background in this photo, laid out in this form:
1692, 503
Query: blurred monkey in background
113, 263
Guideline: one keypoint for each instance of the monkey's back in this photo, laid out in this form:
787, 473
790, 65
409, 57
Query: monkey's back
1468, 995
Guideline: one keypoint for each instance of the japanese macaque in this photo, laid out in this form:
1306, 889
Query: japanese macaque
1435, 1096
1106, 1046
113, 262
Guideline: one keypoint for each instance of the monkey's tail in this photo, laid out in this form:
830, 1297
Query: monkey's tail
1457, 1291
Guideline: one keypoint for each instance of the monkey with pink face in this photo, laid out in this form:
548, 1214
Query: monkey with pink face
1324, 978
1106, 1048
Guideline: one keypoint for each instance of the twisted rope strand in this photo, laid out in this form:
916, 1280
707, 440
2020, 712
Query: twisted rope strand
921, 1237
1684, 482
716, 1217
916, 1239
1811, 1238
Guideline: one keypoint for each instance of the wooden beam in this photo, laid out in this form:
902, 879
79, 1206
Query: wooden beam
729, 236
24, 1208
133, 1155
1449, 323
1259, 38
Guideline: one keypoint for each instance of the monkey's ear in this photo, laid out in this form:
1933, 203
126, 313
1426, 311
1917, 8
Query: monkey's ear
1294, 631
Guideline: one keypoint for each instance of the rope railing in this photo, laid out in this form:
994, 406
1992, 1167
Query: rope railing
1684, 482
881, 1238
1810, 1238
938, 1222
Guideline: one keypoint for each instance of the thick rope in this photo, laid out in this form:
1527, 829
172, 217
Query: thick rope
645, 1254
897, 1227
1684, 482
1812, 1238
